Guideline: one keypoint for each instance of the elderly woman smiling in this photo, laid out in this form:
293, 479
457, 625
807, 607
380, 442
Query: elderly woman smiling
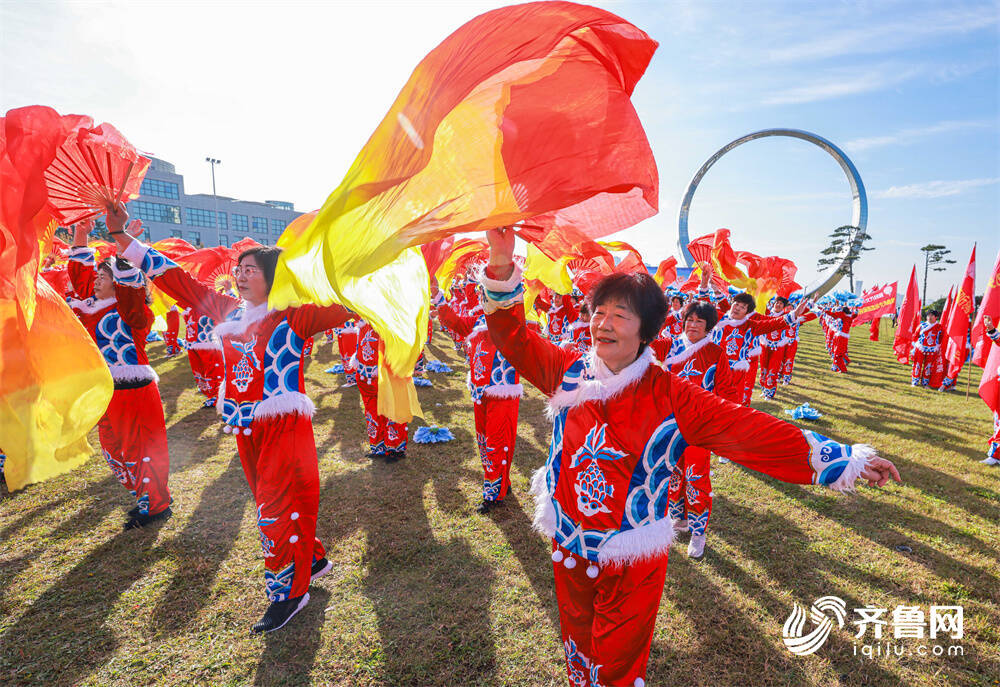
620, 424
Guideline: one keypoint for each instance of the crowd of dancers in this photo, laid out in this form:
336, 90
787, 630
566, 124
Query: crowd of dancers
643, 386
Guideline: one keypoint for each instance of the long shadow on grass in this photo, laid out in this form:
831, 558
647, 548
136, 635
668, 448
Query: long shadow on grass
200, 549
289, 654
70, 618
890, 517
430, 594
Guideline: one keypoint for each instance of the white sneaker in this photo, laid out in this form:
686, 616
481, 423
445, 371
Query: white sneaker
990, 461
680, 525
696, 547
723, 460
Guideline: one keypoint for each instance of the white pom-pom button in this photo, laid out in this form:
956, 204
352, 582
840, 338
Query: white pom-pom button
711, 494
592, 571
226, 429
639, 682
295, 516
145, 480
246, 431
146, 459
292, 539
503, 462
570, 562
557, 556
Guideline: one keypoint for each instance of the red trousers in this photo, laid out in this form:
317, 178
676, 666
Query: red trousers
690, 492
496, 433
208, 368
788, 361
383, 434
133, 435
924, 365
839, 354
280, 464
607, 621
750, 380
348, 346
771, 360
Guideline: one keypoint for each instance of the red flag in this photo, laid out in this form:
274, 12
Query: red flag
666, 273
877, 302
873, 332
909, 320
957, 327
990, 306
946, 311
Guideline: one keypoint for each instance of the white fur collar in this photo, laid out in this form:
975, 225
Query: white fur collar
90, 306
238, 327
689, 350
730, 322
605, 385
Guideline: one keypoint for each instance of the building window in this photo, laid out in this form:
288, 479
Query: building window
278, 226
223, 220
154, 212
223, 240
194, 237
284, 205
260, 225
197, 217
240, 224
177, 233
160, 189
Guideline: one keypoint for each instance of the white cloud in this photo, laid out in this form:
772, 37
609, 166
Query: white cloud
906, 136
915, 30
838, 86
935, 189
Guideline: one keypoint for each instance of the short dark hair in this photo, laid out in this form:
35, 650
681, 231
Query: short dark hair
781, 299
641, 293
680, 298
584, 309
121, 264
266, 258
935, 313
747, 299
703, 311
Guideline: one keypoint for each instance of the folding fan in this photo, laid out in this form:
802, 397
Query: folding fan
213, 267
93, 169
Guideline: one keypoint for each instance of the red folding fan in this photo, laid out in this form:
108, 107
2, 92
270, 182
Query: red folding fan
213, 267
93, 169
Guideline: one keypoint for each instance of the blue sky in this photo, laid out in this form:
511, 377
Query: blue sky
286, 94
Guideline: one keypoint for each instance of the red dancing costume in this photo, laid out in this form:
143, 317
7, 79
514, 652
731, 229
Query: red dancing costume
738, 341
347, 344
791, 348
262, 402
204, 352
926, 354
839, 332
173, 319
132, 432
690, 491
496, 390
772, 357
603, 491
385, 437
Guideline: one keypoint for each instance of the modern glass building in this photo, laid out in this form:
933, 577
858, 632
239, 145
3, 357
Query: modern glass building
203, 219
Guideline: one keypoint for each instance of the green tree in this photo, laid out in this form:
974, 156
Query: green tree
934, 255
851, 239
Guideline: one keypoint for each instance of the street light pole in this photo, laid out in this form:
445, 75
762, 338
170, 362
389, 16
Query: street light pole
212, 161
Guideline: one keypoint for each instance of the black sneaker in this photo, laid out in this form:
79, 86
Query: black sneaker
210, 403
486, 506
278, 614
394, 456
320, 568
140, 520
132, 512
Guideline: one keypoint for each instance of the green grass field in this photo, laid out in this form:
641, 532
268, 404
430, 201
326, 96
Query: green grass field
427, 592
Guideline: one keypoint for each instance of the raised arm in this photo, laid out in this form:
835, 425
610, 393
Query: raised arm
130, 292
308, 320
81, 261
536, 359
452, 320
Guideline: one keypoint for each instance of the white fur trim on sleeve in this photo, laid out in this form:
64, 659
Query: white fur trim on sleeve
544, 521
135, 252
505, 286
861, 454
505, 391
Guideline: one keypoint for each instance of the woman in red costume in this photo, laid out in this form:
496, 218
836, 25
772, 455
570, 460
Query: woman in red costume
115, 310
620, 425
262, 402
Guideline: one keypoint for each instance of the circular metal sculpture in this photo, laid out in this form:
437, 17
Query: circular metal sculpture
859, 217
